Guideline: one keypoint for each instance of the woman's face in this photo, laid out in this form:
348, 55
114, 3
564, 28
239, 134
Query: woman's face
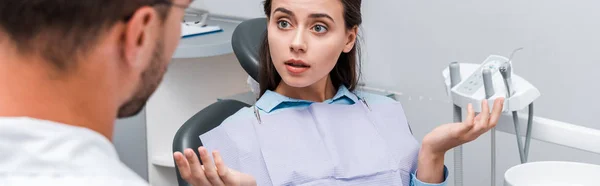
306, 38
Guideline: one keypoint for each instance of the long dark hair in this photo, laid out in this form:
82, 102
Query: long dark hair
345, 72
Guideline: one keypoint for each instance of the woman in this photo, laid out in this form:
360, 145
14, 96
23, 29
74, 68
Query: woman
310, 127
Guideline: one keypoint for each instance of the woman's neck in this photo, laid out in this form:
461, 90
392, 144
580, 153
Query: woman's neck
318, 92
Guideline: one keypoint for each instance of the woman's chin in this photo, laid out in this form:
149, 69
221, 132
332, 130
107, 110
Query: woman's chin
297, 82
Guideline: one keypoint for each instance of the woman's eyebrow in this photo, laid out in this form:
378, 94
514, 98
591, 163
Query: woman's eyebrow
321, 15
315, 15
285, 11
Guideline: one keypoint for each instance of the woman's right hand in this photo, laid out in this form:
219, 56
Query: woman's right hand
211, 173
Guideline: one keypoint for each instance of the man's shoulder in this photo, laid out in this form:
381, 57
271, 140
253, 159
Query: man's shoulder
48, 153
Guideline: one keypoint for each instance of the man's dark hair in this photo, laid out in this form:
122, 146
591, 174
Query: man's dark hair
60, 30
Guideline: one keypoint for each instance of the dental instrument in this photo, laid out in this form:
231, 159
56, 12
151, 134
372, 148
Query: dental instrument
490, 80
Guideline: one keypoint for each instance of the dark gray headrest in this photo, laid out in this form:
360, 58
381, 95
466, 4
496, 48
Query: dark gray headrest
246, 40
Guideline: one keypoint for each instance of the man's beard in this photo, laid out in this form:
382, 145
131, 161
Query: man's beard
151, 78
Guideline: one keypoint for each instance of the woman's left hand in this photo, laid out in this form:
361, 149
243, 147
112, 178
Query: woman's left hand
448, 136
445, 137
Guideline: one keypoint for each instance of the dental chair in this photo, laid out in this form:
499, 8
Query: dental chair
246, 41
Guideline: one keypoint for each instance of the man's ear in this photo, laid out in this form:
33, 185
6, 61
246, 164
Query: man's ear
140, 33
351, 39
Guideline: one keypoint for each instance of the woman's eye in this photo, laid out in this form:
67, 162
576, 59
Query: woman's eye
283, 24
320, 28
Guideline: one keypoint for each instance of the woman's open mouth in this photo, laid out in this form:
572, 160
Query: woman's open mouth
296, 66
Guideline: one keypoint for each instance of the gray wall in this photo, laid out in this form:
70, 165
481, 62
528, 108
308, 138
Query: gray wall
130, 141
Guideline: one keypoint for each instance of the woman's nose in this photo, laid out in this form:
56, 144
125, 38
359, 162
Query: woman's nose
298, 43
